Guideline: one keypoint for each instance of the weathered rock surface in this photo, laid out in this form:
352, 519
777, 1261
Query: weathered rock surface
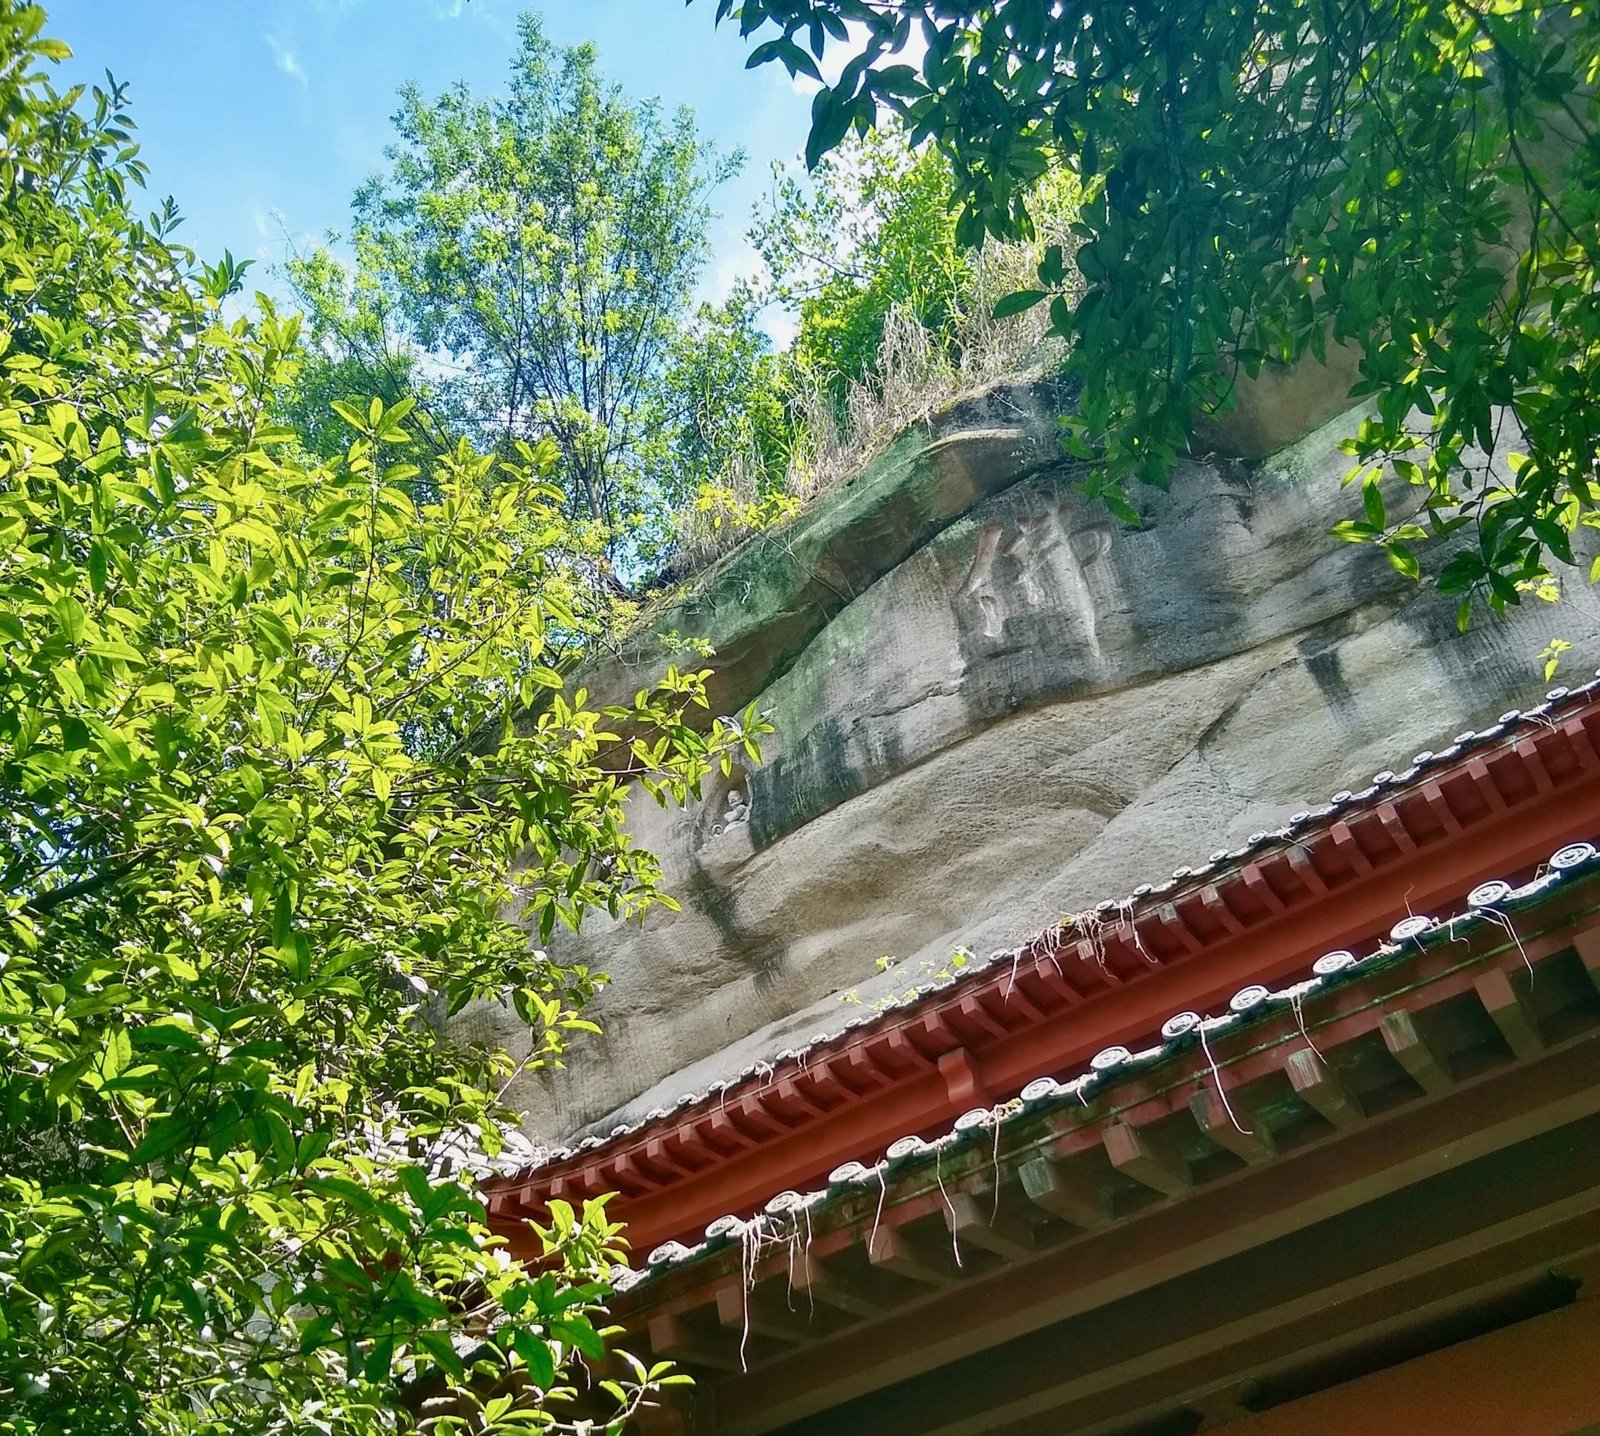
995, 706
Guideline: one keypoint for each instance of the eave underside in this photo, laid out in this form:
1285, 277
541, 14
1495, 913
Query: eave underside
1415, 844
1407, 1163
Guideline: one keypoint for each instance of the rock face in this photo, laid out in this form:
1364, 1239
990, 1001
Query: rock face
997, 706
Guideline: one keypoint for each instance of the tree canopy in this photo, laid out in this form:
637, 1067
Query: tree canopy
527, 264
874, 230
1414, 181
271, 790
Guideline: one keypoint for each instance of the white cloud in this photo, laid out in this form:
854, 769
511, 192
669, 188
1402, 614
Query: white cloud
780, 326
736, 259
286, 59
268, 228
485, 12
275, 240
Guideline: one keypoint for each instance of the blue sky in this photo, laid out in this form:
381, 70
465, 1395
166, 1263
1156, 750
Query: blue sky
261, 116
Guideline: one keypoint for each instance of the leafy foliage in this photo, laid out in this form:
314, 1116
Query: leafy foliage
896, 317
265, 812
873, 232
731, 389
530, 260
1418, 180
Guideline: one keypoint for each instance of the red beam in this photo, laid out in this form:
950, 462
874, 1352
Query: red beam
1505, 820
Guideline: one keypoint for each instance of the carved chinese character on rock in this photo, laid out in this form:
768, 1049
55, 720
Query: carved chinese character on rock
1038, 545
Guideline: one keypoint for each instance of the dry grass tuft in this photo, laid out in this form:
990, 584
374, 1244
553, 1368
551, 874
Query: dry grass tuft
919, 373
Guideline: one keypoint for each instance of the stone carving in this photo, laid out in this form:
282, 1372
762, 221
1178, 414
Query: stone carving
735, 811
1034, 544
726, 809
1090, 543
1039, 543
979, 582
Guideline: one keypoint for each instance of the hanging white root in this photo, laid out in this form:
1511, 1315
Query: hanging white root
877, 1216
1503, 920
994, 1167
1300, 1021
949, 1206
1216, 1076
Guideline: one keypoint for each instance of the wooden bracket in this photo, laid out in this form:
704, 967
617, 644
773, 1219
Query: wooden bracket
1052, 1188
756, 1312
962, 1083
1232, 1126
892, 1251
813, 1282
1132, 1156
1407, 1046
1317, 1086
1588, 945
977, 1224
1508, 1012
675, 1340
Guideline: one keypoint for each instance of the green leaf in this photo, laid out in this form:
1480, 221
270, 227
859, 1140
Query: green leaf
165, 1136
1461, 573
1122, 509
1403, 560
379, 1360
417, 1186
577, 1332
283, 920
67, 1076
537, 1357
311, 1146
342, 1189
830, 118
350, 413
1018, 302
70, 682
281, 1139
1372, 504
438, 1345
118, 1053
315, 1333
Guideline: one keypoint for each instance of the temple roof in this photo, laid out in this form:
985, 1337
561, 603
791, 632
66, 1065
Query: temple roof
1405, 838
1360, 1047
1403, 1133
1492, 909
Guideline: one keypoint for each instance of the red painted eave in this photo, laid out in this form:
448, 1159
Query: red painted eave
1495, 812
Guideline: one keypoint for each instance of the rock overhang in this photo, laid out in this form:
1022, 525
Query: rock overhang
935, 785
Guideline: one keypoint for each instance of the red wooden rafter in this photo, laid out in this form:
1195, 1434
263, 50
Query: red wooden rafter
1068, 994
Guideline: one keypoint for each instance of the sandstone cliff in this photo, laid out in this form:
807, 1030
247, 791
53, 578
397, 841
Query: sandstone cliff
996, 706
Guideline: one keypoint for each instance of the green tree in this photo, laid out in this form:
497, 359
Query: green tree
306, 405
869, 240
1416, 182
728, 386
531, 258
871, 232
269, 789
